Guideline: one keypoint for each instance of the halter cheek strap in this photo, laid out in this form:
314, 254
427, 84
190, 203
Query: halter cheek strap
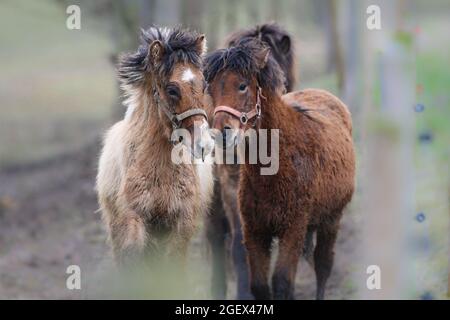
176, 119
189, 113
244, 117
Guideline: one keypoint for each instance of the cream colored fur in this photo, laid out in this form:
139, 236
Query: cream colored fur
141, 191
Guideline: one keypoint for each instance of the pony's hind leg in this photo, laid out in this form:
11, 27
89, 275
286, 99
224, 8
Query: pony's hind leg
308, 247
128, 237
324, 255
217, 227
239, 254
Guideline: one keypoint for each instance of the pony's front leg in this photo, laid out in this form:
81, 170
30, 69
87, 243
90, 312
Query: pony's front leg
178, 247
175, 266
128, 236
258, 246
289, 250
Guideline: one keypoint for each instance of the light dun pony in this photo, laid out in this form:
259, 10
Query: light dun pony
150, 204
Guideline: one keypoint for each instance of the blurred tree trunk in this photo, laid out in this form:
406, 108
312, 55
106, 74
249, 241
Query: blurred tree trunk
231, 15
129, 17
326, 17
388, 199
147, 13
213, 21
354, 25
124, 36
274, 10
192, 14
252, 9
335, 49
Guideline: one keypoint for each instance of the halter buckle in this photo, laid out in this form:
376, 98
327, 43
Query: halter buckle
258, 110
176, 124
244, 118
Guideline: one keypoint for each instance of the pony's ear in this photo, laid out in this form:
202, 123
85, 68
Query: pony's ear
156, 52
262, 57
285, 44
200, 45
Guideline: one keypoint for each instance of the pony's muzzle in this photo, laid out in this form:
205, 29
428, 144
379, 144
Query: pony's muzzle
202, 142
227, 129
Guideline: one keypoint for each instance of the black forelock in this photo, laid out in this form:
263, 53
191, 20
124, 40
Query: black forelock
242, 58
180, 46
271, 34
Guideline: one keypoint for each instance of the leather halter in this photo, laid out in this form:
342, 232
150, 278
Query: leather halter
176, 119
244, 117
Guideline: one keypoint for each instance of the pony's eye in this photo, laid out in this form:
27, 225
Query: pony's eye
242, 87
173, 91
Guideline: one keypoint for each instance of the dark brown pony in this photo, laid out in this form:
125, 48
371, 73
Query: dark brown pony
315, 180
224, 221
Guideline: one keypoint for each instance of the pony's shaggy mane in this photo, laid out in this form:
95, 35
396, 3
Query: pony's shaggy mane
179, 45
243, 59
280, 43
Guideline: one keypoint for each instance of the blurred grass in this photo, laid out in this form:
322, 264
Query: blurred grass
433, 73
57, 85
431, 159
432, 170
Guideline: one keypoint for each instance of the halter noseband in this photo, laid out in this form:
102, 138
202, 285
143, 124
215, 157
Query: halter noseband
244, 117
176, 119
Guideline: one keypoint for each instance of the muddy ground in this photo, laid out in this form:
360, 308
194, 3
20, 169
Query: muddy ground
48, 221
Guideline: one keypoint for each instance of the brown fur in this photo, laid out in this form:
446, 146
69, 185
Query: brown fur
224, 218
314, 183
149, 204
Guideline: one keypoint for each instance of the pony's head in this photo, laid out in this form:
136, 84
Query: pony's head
165, 73
237, 78
280, 43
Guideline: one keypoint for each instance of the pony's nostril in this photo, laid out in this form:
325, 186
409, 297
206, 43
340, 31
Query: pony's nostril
226, 128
